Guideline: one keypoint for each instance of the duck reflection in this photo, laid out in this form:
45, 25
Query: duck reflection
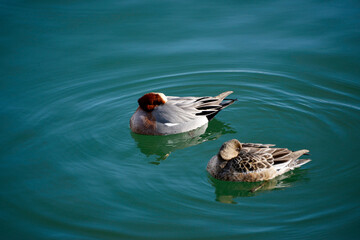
162, 146
226, 192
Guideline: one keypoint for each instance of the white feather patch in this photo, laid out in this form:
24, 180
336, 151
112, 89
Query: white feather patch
171, 124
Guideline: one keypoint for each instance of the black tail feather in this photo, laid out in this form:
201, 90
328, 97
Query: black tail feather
223, 105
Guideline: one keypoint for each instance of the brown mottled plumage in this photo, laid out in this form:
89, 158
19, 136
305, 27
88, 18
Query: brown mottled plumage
251, 162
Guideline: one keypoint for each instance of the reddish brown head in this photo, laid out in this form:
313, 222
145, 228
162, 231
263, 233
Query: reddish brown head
151, 100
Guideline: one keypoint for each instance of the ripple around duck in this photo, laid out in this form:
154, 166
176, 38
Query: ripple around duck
72, 74
94, 140
290, 106
86, 101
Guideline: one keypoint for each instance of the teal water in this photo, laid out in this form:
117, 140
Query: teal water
71, 74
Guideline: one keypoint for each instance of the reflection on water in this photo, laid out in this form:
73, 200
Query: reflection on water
162, 146
226, 191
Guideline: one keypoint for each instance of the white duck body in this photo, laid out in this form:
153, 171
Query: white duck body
171, 115
150, 124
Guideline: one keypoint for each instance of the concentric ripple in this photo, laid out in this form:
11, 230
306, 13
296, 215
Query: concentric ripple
71, 76
98, 164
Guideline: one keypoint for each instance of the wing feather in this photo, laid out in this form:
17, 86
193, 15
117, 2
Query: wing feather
184, 109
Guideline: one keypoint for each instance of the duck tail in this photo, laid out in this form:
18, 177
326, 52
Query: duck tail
225, 101
213, 105
300, 162
296, 162
223, 95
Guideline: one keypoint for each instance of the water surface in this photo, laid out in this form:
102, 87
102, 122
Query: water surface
71, 74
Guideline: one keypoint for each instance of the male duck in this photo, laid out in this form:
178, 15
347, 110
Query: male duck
158, 114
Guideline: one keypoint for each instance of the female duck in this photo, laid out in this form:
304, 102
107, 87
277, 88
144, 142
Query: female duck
250, 162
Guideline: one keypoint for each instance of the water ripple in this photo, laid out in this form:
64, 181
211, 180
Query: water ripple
90, 117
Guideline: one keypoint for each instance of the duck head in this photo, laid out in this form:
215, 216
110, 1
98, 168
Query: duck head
150, 101
230, 149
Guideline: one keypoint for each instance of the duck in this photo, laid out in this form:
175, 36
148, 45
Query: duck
253, 162
158, 114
